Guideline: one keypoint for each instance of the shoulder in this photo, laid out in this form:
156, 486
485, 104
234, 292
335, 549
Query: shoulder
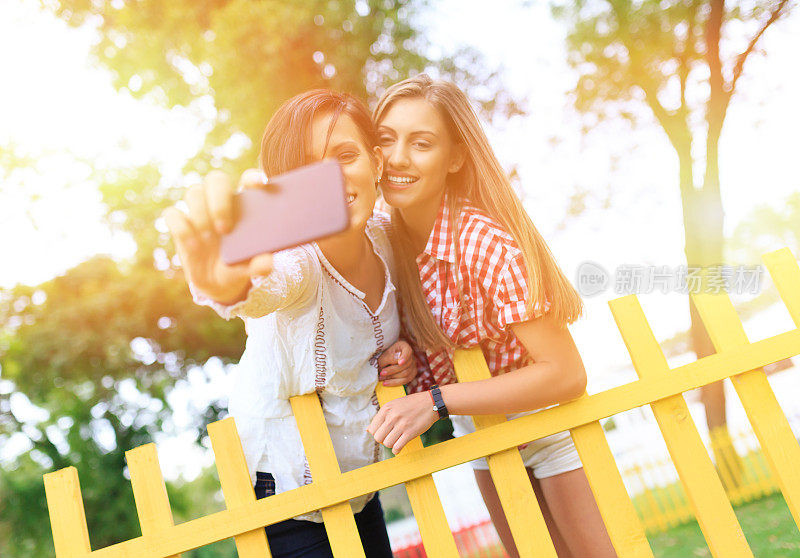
379, 229
483, 241
380, 220
297, 264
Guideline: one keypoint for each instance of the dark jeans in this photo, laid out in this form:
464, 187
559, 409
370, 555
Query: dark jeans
306, 539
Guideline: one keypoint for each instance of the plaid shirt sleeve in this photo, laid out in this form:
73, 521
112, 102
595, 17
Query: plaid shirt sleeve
509, 292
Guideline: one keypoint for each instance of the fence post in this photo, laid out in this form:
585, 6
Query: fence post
777, 441
67, 517
425, 503
149, 491
703, 487
339, 521
619, 516
235, 481
508, 472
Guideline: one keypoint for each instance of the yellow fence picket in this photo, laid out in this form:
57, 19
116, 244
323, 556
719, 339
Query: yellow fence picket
149, 491
769, 423
785, 273
340, 525
695, 469
67, 518
623, 525
508, 472
236, 483
425, 503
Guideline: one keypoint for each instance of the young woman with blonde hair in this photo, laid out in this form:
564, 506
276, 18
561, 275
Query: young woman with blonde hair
473, 271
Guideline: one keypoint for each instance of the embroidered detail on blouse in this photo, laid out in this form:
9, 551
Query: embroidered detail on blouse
376, 451
319, 352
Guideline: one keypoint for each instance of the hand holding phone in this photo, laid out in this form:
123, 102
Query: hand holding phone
302, 205
196, 233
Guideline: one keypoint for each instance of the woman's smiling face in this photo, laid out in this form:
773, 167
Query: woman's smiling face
418, 154
361, 165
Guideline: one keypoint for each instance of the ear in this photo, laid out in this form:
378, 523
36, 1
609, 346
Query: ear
377, 153
457, 158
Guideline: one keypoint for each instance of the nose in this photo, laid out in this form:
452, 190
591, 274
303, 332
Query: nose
398, 156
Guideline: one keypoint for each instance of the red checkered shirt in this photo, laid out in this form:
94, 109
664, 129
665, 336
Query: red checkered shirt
493, 278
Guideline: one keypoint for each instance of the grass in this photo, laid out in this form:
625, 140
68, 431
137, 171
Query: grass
767, 524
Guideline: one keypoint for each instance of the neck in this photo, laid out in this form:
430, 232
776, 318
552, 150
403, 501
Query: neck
420, 219
346, 251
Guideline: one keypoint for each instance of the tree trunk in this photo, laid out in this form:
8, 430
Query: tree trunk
703, 219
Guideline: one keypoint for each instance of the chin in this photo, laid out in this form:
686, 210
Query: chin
400, 200
358, 219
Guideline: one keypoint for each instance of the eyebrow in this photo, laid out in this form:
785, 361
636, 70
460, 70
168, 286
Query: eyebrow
414, 133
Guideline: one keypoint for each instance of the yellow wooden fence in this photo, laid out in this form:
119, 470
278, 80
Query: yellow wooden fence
658, 386
659, 497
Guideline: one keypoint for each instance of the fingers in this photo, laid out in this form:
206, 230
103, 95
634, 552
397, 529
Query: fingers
398, 375
252, 178
381, 431
398, 353
195, 199
220, 199
182, 232
392, 437
406, 353
401, 442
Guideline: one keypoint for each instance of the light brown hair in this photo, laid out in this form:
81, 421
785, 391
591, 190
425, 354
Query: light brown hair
284, 145
481, 182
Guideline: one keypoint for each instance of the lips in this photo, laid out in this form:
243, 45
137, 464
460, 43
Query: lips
399, 180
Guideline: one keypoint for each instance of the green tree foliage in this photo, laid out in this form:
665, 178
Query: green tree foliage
246, 57
68, 348
89, 359
765, 228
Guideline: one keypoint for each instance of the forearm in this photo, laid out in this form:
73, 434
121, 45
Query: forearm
531, 387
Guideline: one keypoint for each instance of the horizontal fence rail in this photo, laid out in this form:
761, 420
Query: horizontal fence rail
496, 438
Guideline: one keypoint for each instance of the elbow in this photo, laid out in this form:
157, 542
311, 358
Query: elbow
574, 384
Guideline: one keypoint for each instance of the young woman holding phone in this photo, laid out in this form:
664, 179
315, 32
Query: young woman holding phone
473, 271
320, 318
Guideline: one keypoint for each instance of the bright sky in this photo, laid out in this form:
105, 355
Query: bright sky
55, 104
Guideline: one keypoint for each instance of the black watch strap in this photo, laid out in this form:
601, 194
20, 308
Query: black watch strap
438, 402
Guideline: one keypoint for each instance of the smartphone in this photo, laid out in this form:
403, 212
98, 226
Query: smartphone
302, 205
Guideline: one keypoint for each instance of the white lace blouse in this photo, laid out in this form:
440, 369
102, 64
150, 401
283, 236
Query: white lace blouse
309, 330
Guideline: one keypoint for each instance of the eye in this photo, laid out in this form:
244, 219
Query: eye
347, 156
422, 144
385, 140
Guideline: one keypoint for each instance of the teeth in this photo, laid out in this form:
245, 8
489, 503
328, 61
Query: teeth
401, 179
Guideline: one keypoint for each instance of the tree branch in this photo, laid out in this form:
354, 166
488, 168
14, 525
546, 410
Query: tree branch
713, 35
674, 123
776, 13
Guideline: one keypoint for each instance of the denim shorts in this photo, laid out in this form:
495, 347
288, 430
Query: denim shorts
294, 538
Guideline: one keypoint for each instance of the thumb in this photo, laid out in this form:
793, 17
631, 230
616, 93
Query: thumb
252, 178
261, 265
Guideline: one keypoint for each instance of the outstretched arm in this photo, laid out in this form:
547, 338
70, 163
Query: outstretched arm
557, 375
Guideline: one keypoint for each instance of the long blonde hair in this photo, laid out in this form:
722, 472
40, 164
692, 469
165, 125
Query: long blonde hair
481, 182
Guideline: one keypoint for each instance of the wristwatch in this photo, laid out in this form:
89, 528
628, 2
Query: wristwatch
438, 402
